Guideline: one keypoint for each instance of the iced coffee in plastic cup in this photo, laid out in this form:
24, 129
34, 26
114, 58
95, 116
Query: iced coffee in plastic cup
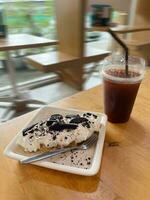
120, 89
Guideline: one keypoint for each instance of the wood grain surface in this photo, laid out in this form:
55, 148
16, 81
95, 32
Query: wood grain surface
56, 60
120, 29
21, 41
125, 169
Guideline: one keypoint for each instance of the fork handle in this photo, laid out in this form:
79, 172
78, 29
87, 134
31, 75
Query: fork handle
47, 155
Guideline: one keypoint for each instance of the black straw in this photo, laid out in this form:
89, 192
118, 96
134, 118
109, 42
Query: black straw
123, 46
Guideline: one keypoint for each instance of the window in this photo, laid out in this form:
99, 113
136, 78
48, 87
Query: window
34, 17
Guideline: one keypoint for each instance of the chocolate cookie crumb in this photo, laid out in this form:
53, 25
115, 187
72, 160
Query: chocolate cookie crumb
54, 137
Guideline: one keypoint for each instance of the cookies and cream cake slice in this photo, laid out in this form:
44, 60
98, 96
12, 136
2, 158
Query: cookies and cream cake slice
59, 131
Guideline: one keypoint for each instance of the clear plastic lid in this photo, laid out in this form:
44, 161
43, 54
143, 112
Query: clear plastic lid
136, 69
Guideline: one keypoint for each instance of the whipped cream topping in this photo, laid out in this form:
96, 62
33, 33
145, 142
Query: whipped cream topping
59, 131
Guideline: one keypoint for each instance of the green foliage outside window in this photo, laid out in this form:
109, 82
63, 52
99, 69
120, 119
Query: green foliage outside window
31, 17
34, 17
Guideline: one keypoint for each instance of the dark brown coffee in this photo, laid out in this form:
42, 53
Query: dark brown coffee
119, 97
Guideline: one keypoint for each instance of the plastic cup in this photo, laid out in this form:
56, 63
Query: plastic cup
120, 90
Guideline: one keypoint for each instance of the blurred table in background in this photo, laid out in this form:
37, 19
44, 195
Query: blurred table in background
19, 100
120, 29
24, 41
137, 47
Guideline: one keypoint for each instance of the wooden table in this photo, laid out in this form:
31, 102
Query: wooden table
16, 42
24, 41
120, 29
125, 169
20, 41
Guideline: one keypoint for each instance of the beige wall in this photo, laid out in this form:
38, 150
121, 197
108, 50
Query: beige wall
142, 18
121, 5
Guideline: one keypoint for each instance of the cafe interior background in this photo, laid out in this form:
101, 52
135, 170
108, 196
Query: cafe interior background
38, 18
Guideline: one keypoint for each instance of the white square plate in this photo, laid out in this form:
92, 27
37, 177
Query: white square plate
85, 162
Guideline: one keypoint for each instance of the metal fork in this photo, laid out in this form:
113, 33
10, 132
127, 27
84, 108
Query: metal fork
83, 146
